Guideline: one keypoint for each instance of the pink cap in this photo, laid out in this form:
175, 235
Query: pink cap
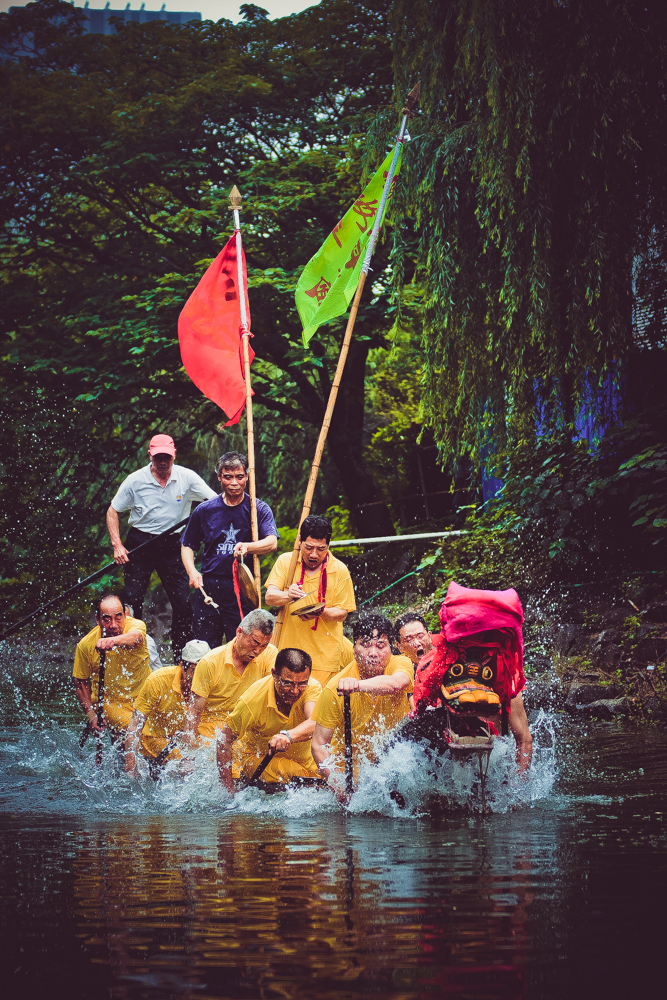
162, 444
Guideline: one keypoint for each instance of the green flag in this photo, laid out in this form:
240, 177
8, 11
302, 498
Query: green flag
329, 279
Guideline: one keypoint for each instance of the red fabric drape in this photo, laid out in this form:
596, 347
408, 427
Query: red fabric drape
209, 331
488, 618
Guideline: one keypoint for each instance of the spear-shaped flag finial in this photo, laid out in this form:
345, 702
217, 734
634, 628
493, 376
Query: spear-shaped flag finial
234, 199
413, 99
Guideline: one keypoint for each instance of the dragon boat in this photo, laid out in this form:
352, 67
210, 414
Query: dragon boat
465, 685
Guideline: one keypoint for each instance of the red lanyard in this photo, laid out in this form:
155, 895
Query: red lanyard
321, 589
237, 587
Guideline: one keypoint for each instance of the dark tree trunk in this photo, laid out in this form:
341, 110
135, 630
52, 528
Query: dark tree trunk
345, 443
345, 439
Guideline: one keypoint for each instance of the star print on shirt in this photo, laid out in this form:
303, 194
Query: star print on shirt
226, 547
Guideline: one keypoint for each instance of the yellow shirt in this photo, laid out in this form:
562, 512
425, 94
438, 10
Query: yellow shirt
346, 653
325, 644
217, 679
370, 716
161, 701
125, 669
257, 718
346, 657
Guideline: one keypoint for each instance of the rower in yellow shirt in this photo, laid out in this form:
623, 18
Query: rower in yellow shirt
326, 580
123, 639
222, 676
274, 714
380, 684
161, 706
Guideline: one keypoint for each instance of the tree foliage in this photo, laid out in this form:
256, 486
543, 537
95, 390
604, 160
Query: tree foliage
536, 212
529, 231
118, 153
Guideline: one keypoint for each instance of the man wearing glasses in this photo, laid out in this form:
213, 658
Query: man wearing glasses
224, 674
223, 526
325, 580
379, 684
413, 637
274, 714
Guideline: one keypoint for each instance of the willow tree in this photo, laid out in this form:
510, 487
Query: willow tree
536, 209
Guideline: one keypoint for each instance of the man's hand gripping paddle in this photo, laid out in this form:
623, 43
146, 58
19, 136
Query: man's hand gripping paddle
100, 713
349, 758
347, 726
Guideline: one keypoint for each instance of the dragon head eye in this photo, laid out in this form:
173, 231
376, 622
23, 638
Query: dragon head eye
487, 674
456, 670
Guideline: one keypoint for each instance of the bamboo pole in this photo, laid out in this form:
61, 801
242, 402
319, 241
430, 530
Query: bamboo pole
319, 450
235, 206
413, 97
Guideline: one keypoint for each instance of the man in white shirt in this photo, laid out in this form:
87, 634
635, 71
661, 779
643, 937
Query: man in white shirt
158, 497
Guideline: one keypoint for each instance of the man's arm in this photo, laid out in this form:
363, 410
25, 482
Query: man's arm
266, 529
320, 747
384, 684
129, 640
197, 489
521, 733
223, 753
193, 715
259, 548
133, 741
343, 601
194, 576
334, 614
120, 553
276, 598
300, 733
82, 688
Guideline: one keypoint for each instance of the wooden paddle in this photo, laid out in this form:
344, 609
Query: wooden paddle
296, 782
89, 579
347, 724
100, 706
259, 770
504, 722
155, 766
170, 747
100, 712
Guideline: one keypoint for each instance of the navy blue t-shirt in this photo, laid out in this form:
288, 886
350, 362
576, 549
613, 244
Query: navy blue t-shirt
220, 528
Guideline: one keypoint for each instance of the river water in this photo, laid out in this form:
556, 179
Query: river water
116, 889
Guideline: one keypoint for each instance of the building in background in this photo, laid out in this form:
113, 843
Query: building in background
99, 23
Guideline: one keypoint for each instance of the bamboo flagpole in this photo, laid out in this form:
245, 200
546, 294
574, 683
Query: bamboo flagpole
413, 97
235, 207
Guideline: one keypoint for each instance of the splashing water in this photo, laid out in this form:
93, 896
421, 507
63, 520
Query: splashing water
45, 771
425, 782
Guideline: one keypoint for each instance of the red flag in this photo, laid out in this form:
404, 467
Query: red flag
209, 331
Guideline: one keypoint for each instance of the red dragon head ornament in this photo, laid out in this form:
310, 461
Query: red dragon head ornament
480, 650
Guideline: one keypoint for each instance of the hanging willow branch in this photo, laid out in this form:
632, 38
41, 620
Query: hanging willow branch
534, 201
